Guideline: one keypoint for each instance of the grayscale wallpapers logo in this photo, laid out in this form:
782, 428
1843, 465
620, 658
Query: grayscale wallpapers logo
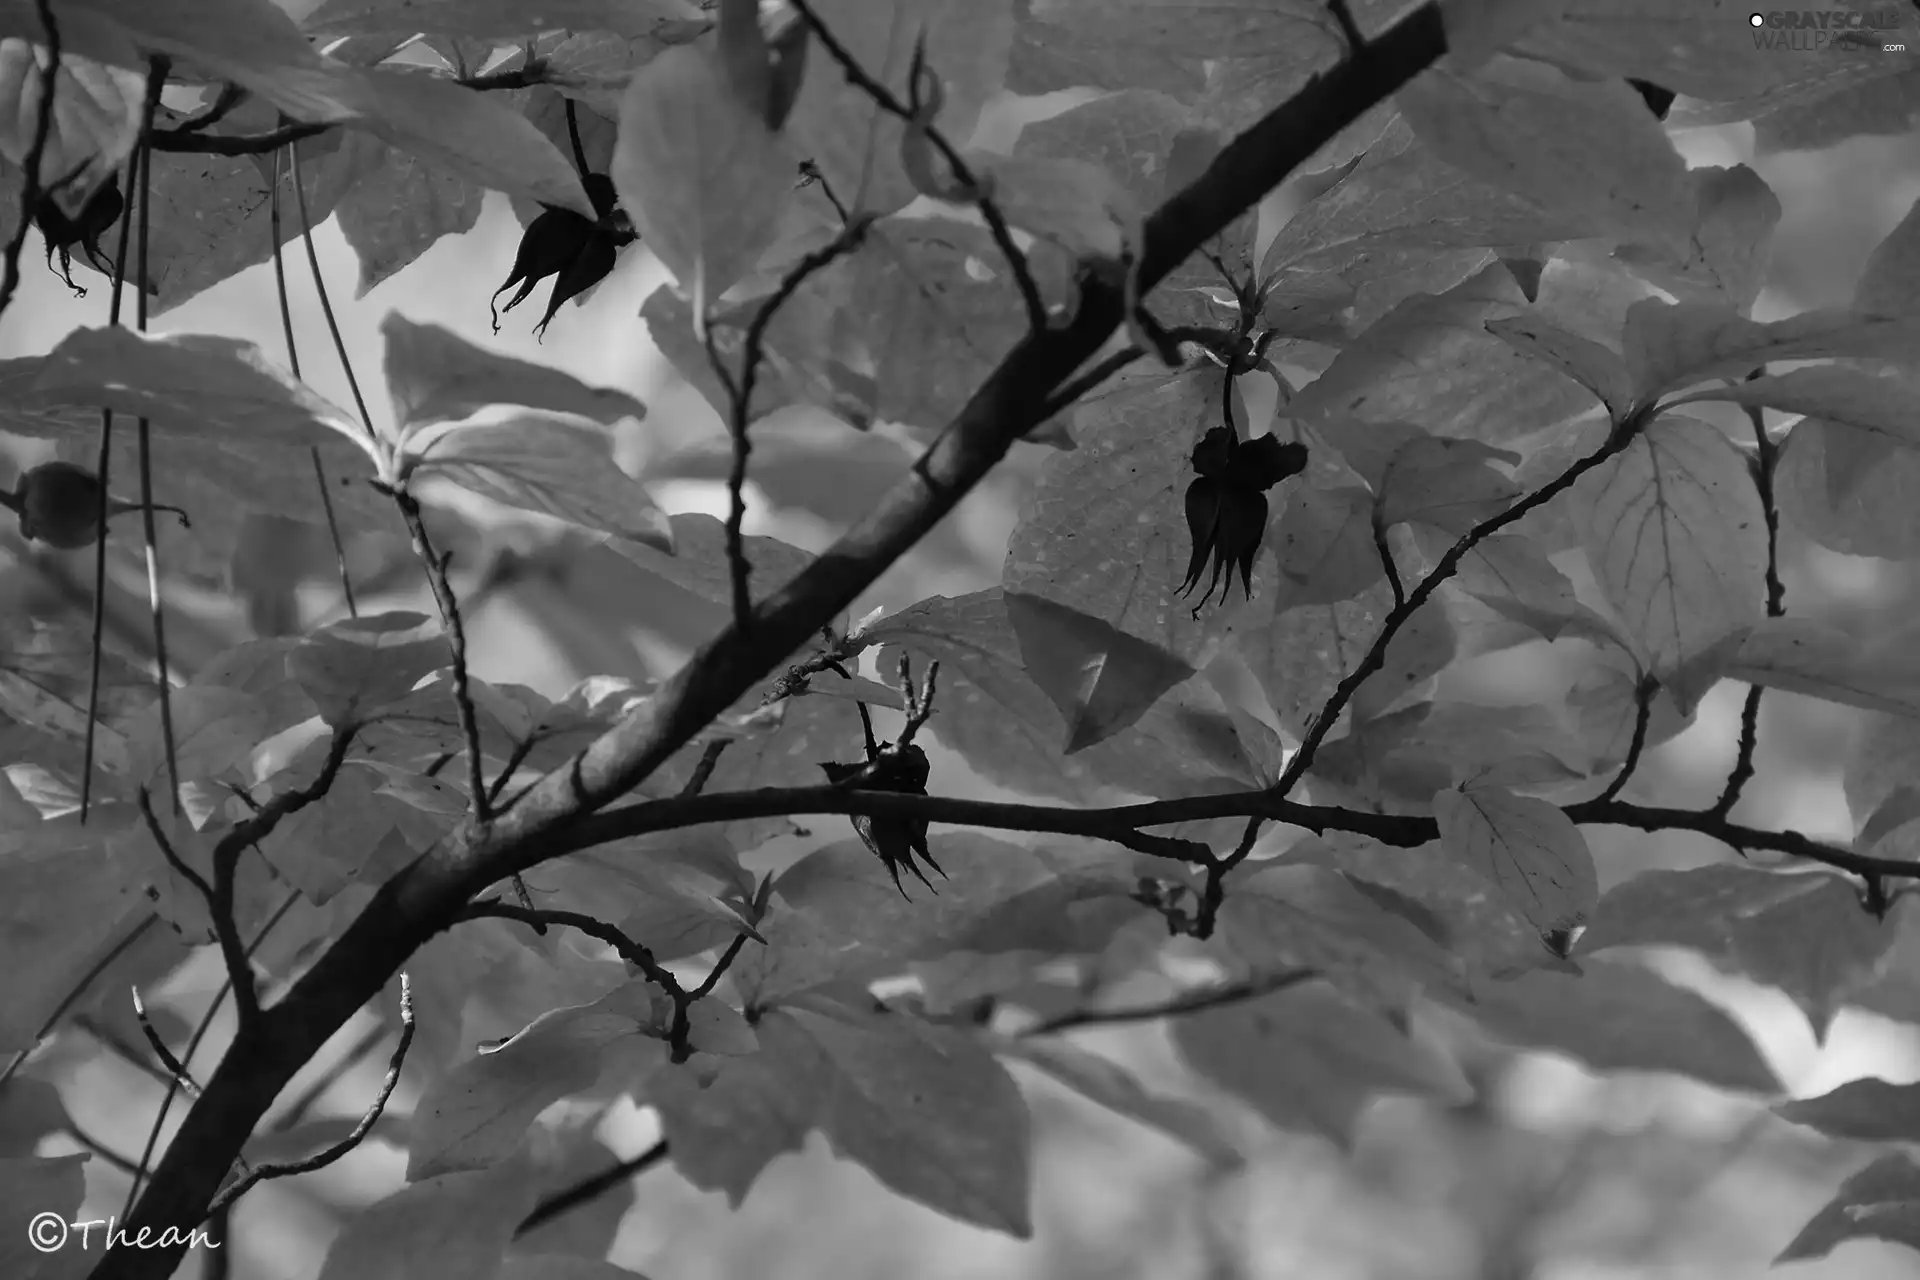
1808, 30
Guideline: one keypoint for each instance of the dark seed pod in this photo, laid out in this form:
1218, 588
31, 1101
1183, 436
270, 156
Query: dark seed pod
893, 840
59, 504
63, 234
1227, 505
577, 252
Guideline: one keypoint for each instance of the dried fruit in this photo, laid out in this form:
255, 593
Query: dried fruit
63, 234
1227, 504
59, 504
894, 841
577, 252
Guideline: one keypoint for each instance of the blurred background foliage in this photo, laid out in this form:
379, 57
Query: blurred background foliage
1553, 1174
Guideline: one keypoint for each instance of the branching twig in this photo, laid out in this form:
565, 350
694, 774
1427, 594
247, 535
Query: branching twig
368, 1119
963, 174
223, 144
30, 192
567, 805
1766, 461
740, 397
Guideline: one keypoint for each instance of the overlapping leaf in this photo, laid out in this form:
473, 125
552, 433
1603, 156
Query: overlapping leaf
1527, 847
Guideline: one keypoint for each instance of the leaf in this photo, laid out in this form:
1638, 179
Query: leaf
1582, 359
1105, 531
1881, 1202
1586, 151
1821, 661
1880, 409
1671, 346
556, 466
354, 667
402, 209
1445, 483
1101, 679
1431, 360
1807, 933
1300, 655
476, 1115
925, 1108
53, 1186
470, 133
1726, 257
1102, 50
1847, 490
213, 729
1308, 1059
61, 902
1621, 1017
560, 1266
321, 847
682, 892
857, 145
437, 376
460, 1221
1323, 543
994, 715
1075, 204
1512, 575
700, 174
1527, 847
928, 1111
493, 20
846, 921
1118, 1090
699, 561
1868, 1110
1676, 536
1890, 283
96, 117
192, 385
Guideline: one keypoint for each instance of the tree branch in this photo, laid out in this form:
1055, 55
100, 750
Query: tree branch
428, 895
1766, 461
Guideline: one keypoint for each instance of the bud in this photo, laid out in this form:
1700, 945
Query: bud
1227, 505
63, 234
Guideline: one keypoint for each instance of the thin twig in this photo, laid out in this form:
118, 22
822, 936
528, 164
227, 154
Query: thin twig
173, 1065
1644, 691
222, 144
1766, 462
230, 96
320, 1160
740, 398
884, 98
163, 682
1186, 1002
30, 193
703, 767
326, 298
1387, 562
293, 363
436, 567
573, 138
311, 1095
591, 1188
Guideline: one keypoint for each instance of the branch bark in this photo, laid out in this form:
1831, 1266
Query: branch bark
429, 894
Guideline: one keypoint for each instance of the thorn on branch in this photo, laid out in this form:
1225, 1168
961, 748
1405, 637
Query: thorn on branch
368, 1119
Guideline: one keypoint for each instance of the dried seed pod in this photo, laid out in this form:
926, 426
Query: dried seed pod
1227, 505
59, 504
893, 840
576, 251
63, 234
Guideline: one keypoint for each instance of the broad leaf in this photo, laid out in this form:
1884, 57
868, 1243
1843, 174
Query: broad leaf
1621, 1017
1671, 346
437, 376
461, 1221
1120, 1091
1308, 1059
1726, 256
1675, 533
494, 20
1587, 151
61, 902
1101, 679
1890, 284
1867, 1110
1821, 661
358, 666
700, 174
1881, 1202
402, 209
1582, 359
1528, 847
